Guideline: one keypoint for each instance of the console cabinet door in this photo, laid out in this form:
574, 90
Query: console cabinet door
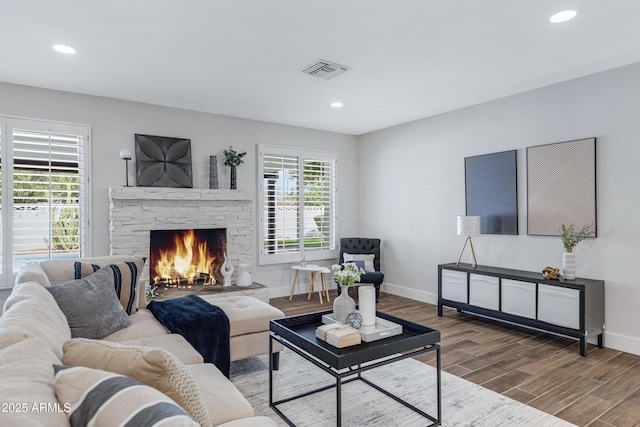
454, 285
559, 306
519, 298
484, 291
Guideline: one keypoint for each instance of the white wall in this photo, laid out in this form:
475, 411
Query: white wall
114, 123
413, 189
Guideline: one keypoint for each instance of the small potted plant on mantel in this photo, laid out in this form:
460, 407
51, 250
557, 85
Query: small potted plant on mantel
233, 159
570, 239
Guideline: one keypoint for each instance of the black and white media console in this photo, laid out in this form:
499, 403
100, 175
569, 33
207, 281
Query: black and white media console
571, 308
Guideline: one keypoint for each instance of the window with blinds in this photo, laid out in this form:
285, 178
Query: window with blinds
298, 204
44, 168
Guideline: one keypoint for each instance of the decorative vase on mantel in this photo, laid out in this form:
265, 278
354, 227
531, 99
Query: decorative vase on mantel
343, 305
234, 183
569, 264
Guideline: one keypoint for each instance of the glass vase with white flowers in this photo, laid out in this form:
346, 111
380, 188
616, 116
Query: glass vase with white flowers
345, 275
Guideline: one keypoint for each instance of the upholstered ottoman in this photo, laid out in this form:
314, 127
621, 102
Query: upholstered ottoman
249, 325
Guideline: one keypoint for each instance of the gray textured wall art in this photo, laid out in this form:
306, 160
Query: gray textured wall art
163, 161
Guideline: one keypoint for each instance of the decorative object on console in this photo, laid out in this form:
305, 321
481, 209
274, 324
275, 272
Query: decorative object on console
226, 270
551, 273
233, 159
561, 186
213, 172
345, 275
468, 226
125, 155
163, 162
570, 238
244, 277
367, 305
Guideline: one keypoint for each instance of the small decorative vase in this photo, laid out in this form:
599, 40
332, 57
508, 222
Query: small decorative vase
226, 269
234, 184
244, 278
343, 305
569, 265
213, 172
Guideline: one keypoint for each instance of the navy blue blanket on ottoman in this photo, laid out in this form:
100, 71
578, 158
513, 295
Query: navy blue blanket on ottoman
204, 326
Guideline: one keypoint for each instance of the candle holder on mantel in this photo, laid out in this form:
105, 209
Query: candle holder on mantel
213, 172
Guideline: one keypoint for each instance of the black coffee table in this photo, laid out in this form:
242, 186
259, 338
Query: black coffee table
298, 334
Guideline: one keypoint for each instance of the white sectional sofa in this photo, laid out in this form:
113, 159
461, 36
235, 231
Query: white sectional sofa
35, 335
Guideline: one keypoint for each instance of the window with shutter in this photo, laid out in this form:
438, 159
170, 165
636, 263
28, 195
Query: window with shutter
298, 204
44, 192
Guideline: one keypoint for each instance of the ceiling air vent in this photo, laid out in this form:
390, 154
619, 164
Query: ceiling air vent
324, 69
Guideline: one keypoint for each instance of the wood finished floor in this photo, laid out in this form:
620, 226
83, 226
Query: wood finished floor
540, 370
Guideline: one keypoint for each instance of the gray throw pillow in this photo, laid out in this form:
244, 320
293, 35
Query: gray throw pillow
91, 305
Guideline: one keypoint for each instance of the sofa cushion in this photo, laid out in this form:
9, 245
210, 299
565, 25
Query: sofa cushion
154, 367
91, 305
126, 277
173, 343
61, 270
31, 311
101, 398
143, 324
32, 272
26, 379
223, 400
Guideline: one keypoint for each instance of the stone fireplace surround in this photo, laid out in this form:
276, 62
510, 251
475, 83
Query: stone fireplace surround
135, 211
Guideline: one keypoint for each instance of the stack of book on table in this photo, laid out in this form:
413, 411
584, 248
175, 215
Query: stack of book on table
338, 335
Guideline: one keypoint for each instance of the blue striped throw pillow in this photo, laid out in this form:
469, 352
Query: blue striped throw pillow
96, 397
126, 276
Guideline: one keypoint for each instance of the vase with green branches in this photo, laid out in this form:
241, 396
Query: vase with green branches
233, 159
570, 239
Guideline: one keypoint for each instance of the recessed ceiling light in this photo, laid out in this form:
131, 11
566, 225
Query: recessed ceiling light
565, 15
64, 49
336, 104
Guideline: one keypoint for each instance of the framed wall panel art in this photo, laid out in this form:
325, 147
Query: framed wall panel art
163, 161
561, 186
491, 191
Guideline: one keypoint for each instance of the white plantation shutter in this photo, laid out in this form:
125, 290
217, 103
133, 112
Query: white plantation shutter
44, 167
298, 204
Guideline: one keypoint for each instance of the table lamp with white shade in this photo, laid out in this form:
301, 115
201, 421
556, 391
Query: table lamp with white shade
468, 226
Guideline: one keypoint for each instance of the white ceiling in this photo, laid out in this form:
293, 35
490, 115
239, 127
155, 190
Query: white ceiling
410, 59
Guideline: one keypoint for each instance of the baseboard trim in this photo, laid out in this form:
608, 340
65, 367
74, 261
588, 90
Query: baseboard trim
622, 343
415, 294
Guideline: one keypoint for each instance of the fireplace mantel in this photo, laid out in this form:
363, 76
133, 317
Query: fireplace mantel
161, 193
135, 211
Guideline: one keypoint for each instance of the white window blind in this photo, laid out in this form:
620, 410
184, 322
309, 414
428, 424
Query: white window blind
298, 204
44, 168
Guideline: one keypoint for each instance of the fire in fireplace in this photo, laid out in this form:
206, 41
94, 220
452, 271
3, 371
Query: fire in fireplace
184, 258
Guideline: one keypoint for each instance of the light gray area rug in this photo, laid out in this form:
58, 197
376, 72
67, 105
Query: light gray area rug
463, 403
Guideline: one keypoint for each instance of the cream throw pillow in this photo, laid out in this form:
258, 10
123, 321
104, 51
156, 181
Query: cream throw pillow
152, 366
